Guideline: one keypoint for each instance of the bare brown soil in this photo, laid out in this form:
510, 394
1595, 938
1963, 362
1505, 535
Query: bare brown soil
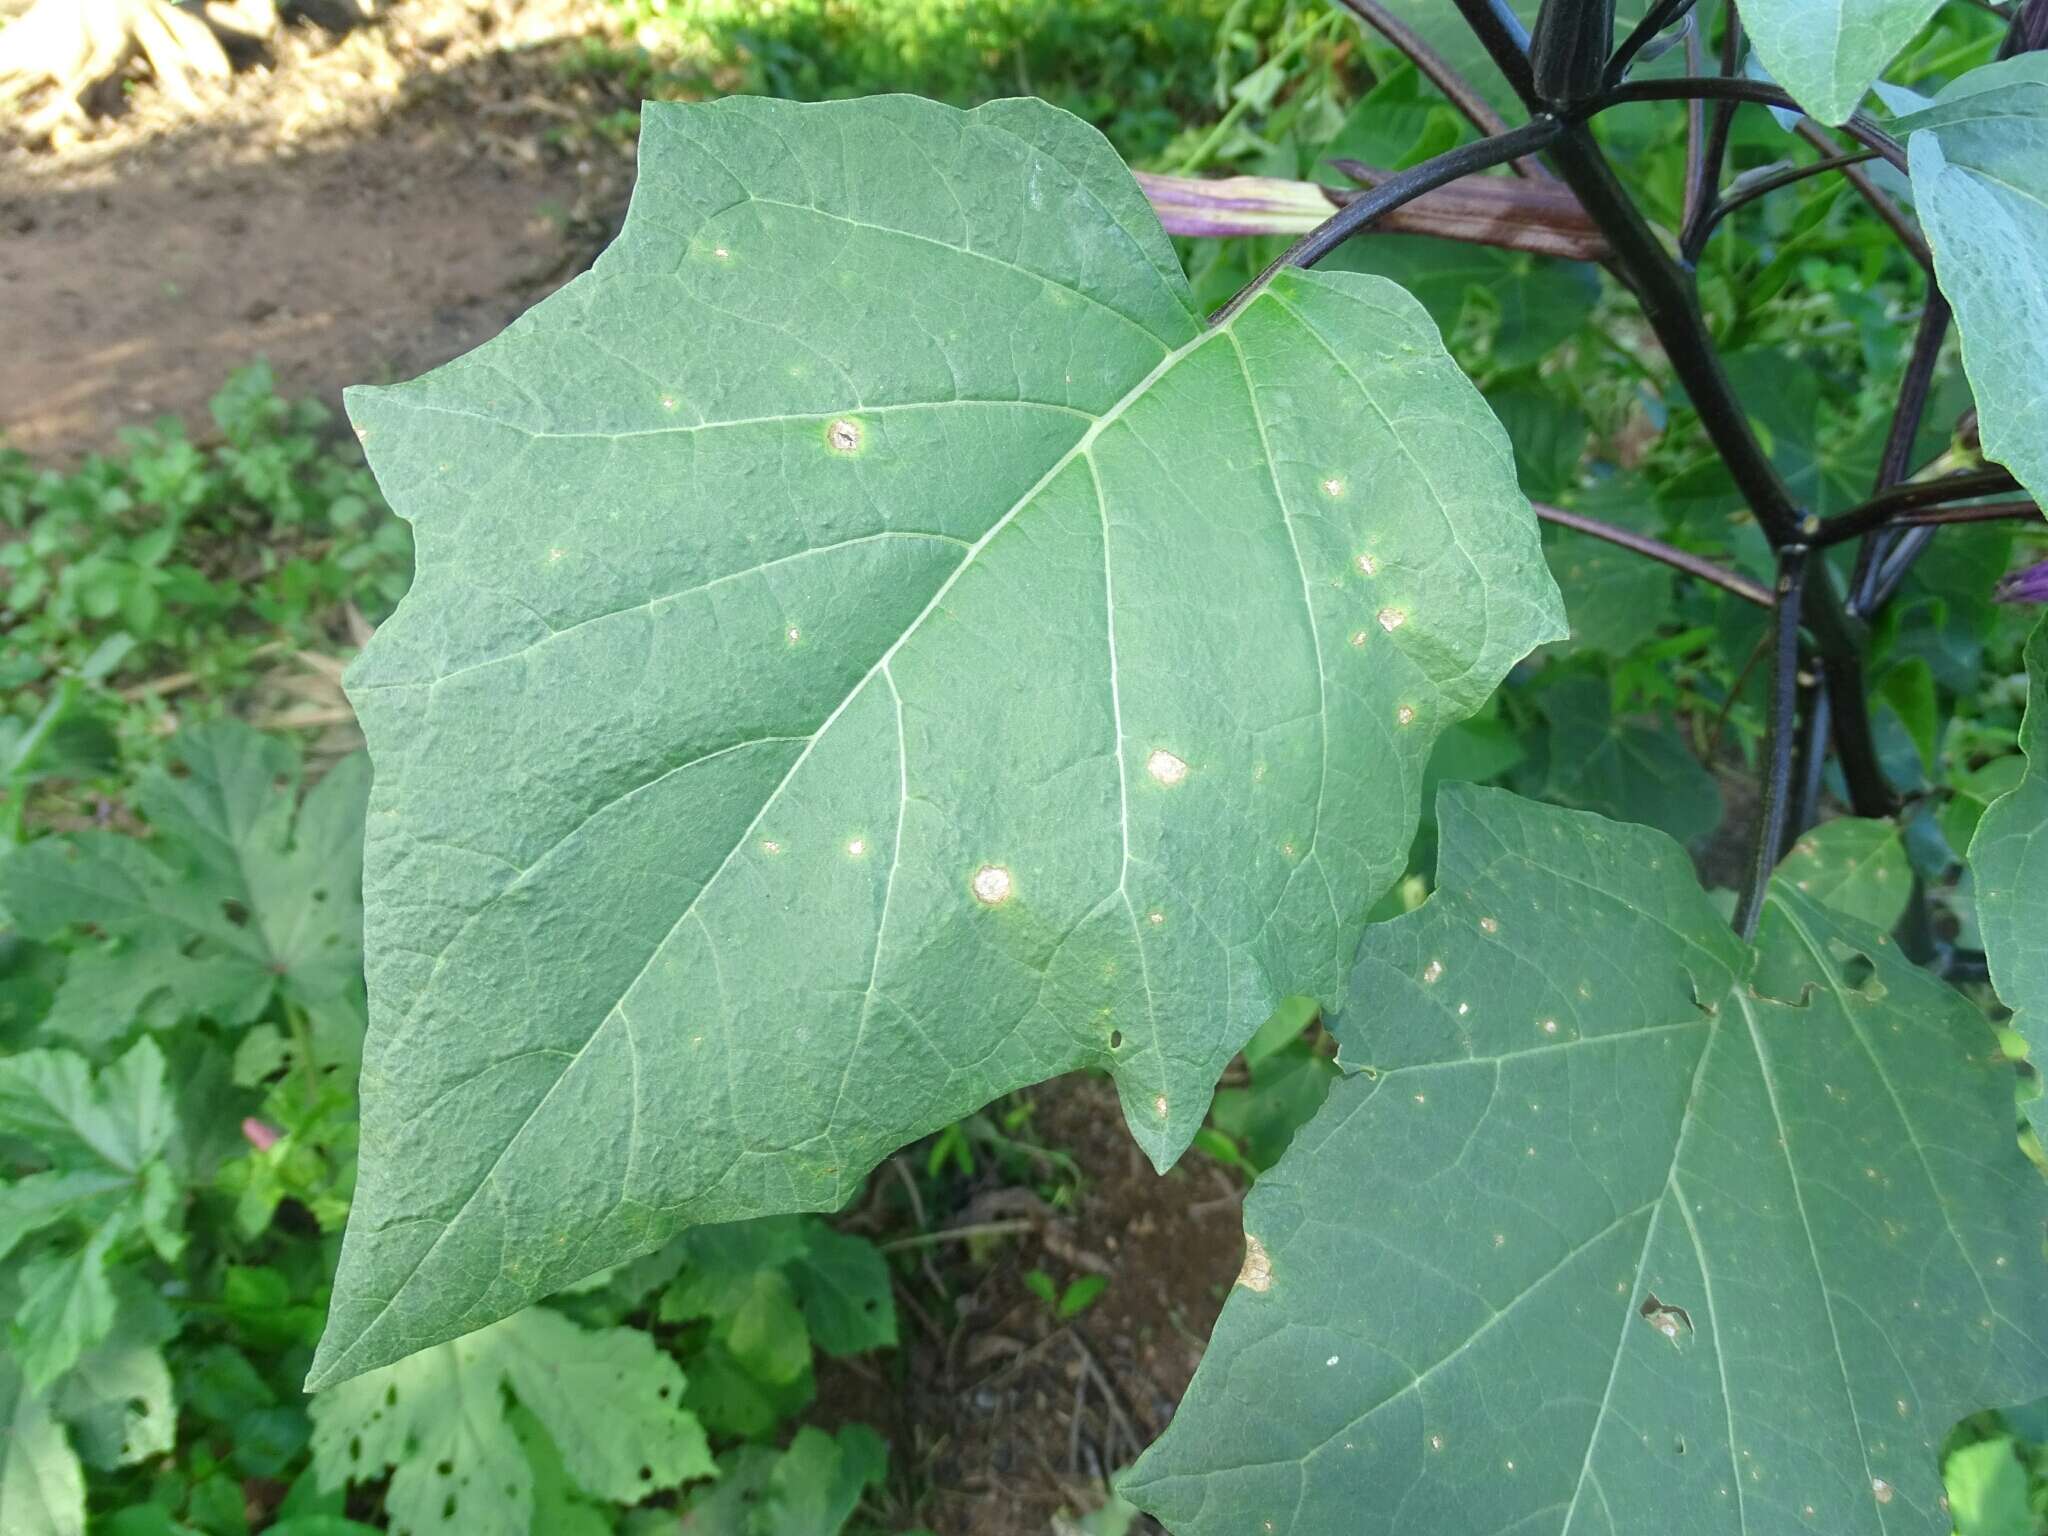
1001, 1417
356, 208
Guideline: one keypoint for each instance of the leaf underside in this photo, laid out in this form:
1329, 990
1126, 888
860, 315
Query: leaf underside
1627, 1227
1979, 160
872, 650
2009, 862
1828, 53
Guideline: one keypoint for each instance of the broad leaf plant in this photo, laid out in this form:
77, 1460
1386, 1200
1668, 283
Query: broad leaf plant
877, 644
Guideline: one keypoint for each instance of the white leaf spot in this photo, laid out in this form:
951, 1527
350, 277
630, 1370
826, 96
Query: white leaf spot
1159, 1106
1549, 1026
1404, 715
1333, 486
1166, 768
857, 846
1489, 924
792, 634
991, 885
1392, 619
1331, 1361
1881, 1490
1433, 971
1367, 565
769, 845
1155, 918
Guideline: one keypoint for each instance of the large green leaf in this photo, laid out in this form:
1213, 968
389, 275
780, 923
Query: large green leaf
872, 649
1979, 159
1828, 53
2009, 868
1620, 1225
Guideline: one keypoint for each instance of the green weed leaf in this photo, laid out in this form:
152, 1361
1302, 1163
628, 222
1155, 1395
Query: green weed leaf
231, 897
874, 649
609, 1401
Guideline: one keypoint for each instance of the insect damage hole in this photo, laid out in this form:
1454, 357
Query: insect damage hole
1675, 1323
1166, 768
843, 435
991, 885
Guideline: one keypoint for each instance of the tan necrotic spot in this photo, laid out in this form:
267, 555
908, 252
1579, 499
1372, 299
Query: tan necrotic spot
1257, 1273
991, 885
1392, 619
1405, 715
1367, 565
843, 435
1166, 768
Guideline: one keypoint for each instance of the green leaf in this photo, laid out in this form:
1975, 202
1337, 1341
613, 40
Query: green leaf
812, 1489
2009, 868
1854, 866
1624, 769
250, 896
1828, 53
609, 1400
1620, 1224
103, 1135
1987, 1490
787, 647
1979, 159
42, 1486
843, 1283
118, 1402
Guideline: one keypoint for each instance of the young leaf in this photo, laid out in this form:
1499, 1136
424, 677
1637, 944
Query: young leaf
610, 1401
1855, 866
2009, 866
1620, 1225
1828, 53
249, 897
874, 649
1979, 159
42, 1486
843, 1283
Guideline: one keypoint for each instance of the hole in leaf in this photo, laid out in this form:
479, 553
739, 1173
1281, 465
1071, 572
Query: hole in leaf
1675, 1323
1116, 1039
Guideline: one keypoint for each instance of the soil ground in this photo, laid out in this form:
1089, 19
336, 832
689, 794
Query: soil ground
360, 206
356, 207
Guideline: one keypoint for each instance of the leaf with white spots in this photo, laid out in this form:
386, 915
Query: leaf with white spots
1620, 1225
2009, 863
873, 649
1854, 865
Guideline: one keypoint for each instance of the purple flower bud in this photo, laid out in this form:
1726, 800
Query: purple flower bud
2025, 586
1236, 205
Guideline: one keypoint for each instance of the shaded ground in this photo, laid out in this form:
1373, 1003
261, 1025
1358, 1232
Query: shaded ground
364, 206
1007, 1416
